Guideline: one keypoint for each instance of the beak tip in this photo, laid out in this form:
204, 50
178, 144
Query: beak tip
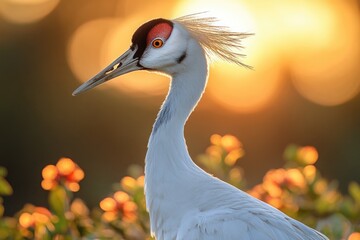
75, 93
124, 64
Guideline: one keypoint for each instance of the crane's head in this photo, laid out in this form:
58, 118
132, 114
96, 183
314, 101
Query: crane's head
162, 45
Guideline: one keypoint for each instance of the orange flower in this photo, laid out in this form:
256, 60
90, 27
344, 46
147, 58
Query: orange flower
354, 236
230, 143
257, 191
65, 172
35, 216
310, 173
307, 155
119, 205
276, 176
295, 179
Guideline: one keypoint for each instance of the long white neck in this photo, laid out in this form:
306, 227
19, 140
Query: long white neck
168, 164
186, 89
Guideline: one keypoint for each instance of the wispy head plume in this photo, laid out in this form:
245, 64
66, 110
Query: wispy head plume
216, 40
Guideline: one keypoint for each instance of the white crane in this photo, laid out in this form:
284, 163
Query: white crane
185, 202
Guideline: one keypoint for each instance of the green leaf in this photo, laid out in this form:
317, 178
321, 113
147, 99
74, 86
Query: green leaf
290, 153
354, 190
5, 187
3, 172
58, 200
1, 210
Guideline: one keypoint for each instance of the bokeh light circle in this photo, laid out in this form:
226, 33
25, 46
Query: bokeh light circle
97, 43
236, 88
245, 90
324, 53
84, 47
26, 11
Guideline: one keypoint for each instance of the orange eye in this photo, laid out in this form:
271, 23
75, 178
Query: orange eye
157, 43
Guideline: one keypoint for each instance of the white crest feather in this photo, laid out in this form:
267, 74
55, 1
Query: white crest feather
216, 40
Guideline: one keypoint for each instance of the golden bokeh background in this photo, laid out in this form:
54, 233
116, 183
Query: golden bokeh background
304, 86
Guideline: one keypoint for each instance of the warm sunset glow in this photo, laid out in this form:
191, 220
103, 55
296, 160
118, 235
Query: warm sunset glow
326, 66
108, 204
233, 87
85, 46
321, 49
97, 43
26, 11
315, 44
243, 90
232, 13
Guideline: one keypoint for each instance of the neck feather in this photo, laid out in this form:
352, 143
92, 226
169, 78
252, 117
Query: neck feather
185, 91
168, 164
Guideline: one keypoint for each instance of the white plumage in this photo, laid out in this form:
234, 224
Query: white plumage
183, 201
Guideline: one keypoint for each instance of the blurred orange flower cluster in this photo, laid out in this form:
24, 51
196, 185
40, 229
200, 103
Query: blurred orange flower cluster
297, 186
298, 189
125, 210
354, 236
35, 222
65, 172
119, 206
221, 157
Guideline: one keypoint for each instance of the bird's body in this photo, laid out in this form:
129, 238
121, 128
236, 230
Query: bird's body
185, 202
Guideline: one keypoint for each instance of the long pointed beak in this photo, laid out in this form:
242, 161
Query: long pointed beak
124, 64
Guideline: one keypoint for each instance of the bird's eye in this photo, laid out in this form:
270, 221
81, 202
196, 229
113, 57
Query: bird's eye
157, 43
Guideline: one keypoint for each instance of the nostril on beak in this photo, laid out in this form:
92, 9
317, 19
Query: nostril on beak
116, 66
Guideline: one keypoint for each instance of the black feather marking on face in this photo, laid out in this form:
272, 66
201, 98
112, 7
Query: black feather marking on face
181, 58
139, 37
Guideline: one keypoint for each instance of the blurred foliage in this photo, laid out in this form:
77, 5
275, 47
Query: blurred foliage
298, 189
